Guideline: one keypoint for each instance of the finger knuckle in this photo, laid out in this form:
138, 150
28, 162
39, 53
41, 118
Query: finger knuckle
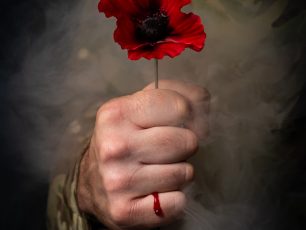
192, 142
110, 112
182, 174
139, 99
113, 147
115, 181
189, 173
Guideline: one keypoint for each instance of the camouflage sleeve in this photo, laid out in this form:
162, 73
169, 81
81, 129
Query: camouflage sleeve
63, 212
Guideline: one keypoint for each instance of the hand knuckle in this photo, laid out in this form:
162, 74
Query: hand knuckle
114, 182
110, 112
113, 148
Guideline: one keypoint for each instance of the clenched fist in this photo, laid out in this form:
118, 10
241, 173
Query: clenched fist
139, 146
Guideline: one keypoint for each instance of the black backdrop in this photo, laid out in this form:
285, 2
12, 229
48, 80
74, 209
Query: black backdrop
23, 196
23, 206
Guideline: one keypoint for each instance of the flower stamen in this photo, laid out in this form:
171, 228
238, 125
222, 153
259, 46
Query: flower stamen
153, 28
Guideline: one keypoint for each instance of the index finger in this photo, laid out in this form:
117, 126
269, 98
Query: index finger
199, 99
152, 108
189, 90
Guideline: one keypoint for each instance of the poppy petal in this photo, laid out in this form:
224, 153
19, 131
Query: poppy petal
172, 6
187, 29
125, 34
158, 51
116, 8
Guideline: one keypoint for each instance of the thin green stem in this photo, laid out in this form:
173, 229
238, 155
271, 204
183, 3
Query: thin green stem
156, 74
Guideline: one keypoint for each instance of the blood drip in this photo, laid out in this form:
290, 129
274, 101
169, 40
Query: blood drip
157, 209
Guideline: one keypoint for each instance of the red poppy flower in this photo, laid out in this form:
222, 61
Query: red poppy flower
154, 28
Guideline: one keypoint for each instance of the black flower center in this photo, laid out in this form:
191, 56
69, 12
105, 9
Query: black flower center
153, 28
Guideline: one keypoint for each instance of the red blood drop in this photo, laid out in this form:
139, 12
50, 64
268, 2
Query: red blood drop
157, 209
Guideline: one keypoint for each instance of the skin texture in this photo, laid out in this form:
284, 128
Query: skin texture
139, 146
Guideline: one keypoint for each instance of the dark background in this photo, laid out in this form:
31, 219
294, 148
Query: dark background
23, 195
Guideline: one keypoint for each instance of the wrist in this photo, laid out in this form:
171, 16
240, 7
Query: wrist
83, 195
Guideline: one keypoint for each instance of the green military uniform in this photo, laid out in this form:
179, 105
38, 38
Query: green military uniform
63, 212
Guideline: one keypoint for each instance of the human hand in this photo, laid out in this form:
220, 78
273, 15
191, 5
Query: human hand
139, 146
